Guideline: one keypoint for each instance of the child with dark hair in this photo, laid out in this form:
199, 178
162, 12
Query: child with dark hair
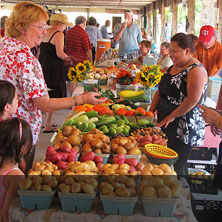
15, 143
8, 99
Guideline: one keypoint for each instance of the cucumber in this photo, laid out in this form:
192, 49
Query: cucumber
90, 127
78, 114
91, 114
83, 127
134, 126
93, 120
82, 118
142, 122
105, 121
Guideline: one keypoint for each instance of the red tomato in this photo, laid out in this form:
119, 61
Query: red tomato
130, 113
149, 113
140, 111
121, 112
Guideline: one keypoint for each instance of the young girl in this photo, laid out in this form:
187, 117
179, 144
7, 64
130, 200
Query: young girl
8, 100
15, 143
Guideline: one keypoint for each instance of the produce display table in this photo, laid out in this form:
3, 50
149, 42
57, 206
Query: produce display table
182, 213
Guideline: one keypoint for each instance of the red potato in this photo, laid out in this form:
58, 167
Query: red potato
155, 137
157, 141
144, 143
139, 138
65, 149
74, 151
131, 161
100, 166
64, 156
119, 161
72, 157
87, 156
117, 157
163, 143
55, 158
62, 165
98, 159
132, 169
146, 138
140, 166
50, 151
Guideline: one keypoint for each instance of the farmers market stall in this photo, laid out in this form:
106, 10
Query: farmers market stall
106, 162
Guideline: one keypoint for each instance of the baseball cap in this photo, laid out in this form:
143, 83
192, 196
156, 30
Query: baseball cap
206, 33
60, 18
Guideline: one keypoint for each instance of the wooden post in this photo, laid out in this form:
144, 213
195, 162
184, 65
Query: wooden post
174, 17
191, 16
149, 24
162, 12
154, 24
219, 3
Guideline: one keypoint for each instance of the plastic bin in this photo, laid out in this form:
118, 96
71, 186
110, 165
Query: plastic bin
104, 156
214, 88
89, 82
159, 207
72, 202
118, 205
128, 156
31, 200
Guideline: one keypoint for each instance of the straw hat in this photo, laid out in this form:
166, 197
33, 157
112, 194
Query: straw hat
61, 18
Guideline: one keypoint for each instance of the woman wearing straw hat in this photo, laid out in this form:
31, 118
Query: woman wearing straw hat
52, 58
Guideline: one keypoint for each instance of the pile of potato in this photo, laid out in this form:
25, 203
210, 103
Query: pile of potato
125, 145
122, 186
39, 183
153, 169
116, 169
81, 168
78, 184
160, 187
97, 142
71, 136
98, 73
44, 168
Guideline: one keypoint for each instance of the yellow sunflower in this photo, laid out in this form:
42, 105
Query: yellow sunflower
141, 78
80, 68
72, 73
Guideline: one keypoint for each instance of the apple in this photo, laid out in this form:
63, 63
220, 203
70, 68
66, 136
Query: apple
98, 159
55, 158
100, 166
62, 165
72, 157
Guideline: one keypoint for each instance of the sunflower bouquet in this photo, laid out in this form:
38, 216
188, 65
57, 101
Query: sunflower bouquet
78, 72
149, 76
125, 78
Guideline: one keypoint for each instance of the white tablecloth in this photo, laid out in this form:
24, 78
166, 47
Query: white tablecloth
182, 213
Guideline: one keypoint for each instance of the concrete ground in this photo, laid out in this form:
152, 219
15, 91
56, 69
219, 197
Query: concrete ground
44, 138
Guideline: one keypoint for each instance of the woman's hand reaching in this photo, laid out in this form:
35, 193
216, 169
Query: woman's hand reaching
166, 121
90, 98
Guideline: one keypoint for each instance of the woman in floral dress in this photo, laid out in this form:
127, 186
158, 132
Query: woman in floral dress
25, 29
180, 90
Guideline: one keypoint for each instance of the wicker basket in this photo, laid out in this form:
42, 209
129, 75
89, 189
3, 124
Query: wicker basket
160, 154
